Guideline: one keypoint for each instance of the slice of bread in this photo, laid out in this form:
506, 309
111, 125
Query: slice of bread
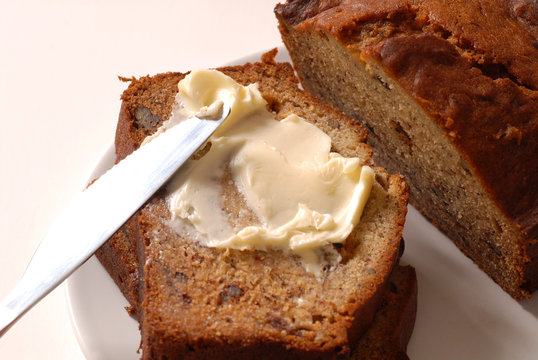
387, 337
449, 93
196, 301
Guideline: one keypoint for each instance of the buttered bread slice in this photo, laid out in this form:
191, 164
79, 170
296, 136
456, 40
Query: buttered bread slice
202, 301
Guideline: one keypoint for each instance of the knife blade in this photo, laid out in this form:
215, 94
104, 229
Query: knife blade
99, 211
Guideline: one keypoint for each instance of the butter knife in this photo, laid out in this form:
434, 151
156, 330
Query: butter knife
97, 212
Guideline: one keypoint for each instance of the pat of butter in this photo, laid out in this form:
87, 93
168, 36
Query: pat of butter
302, 195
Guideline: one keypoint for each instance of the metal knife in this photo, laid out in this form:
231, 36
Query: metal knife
97, 212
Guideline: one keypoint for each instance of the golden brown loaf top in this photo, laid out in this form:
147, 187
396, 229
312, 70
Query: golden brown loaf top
481, 89
265, 303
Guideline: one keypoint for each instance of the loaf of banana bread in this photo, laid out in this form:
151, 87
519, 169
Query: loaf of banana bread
448, 92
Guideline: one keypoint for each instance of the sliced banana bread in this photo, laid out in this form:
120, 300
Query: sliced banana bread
198, 302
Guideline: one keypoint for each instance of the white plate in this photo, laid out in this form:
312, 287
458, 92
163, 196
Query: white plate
461, 314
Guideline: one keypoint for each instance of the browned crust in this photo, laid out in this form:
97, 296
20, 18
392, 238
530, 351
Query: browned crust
118, 256
469, 22
393, 324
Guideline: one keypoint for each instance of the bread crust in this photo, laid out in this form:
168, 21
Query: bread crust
393, 324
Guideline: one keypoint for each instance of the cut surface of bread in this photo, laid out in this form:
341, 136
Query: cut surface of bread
385, 339
203, 302
448, 92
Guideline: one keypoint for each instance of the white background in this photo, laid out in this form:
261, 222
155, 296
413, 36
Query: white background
59, 102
